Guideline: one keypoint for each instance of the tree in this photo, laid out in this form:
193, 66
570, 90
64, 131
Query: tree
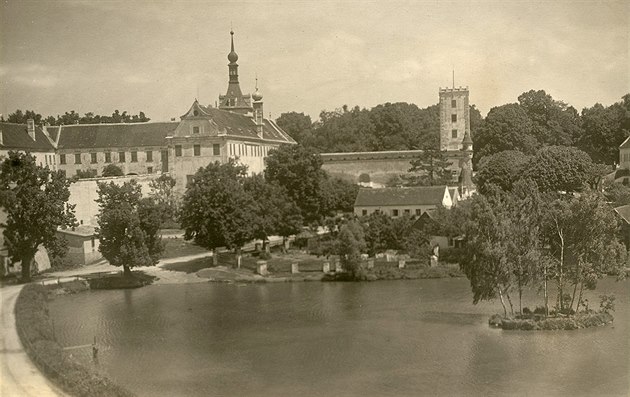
217, 211
506, 127
350, 245
112, 170
560, 168
298, 170
128, 226
604, 129
86, 174
502, 169
337, 195
20, 117
166, 197
433, 165
272, 212
377, 229
36, 202
616, 193
297, 125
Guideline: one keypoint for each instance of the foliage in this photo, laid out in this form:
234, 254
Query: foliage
351, 244
86, 174
72, 117
112, 170
35, 200
128, 226
502, 169
432, 164
607, 303
166, 197
560, 168
216, 209
604, 129
616, 193
298, 170
297, 125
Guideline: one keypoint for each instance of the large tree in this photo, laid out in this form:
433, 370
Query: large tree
217, 210
502, 169
604, 129
432, 166
297, 125
128, 226
560, 168
36, 202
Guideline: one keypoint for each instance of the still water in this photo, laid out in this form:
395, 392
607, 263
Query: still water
388, 338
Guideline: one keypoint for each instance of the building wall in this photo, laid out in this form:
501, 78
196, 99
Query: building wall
141, 166
460, 110
84, 192
389, 210
82, 250
624, 158
44, 159
380, 170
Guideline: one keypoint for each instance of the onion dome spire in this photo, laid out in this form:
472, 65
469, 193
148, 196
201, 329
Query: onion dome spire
232, 56
257, 96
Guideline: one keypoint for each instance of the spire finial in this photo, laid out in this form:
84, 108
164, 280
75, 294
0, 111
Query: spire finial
232, 56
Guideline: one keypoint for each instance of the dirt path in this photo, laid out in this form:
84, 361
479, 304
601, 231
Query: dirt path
18, 375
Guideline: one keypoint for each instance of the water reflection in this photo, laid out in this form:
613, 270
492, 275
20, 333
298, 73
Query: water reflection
322, 339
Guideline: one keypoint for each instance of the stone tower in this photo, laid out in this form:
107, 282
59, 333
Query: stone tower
234, 100
454, 117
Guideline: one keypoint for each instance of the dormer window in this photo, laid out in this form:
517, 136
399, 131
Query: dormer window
195, 113
195, 130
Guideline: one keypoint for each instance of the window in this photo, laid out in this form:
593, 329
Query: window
195, 130
93, 243
454, 118
195, 113
77, 158
93, 158
364, 212
216, 149
178, 150
407, 212
62, 159
418, 211
189, 179
108, 157
121, 157
149, 170
197, 150
394, 212
454, 134
149, 155
454, 103
134, 157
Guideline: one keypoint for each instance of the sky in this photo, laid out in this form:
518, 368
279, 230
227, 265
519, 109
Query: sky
309, 56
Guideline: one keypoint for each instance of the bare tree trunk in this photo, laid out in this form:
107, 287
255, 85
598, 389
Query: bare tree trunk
546, 294
577, 277
580, 299
560, 272
510, 302
502, 303
27, 261
238, 258
215, 257
520, 295
126, 271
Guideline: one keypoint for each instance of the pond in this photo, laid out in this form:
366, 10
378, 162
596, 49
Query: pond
388, 338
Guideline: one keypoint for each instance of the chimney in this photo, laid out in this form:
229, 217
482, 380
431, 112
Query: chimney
30, 127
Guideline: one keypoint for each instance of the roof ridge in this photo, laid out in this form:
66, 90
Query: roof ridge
105, 124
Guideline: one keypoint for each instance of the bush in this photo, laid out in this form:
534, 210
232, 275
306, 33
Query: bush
86, 174
36, 334
607, 303
264, 255
450, 255
112, 170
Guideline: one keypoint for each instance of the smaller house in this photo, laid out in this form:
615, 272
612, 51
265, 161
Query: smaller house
397, 202
427, 223
82, 245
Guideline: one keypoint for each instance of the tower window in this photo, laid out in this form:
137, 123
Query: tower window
195, 113
454, 103
454, 118
178, 150
195, 130
454, 134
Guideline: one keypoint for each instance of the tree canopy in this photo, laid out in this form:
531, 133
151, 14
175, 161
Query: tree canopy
72, 117
36, 202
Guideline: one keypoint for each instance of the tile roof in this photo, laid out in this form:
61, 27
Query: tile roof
236, 124
53, 131
424, 195
15, 136
86, 136
624, 212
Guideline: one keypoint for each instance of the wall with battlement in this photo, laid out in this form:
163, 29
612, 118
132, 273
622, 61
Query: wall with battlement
84, 192
380, 166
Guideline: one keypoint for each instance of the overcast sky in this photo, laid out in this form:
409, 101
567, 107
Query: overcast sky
157, 56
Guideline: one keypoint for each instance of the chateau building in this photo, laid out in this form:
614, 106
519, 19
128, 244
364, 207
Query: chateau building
236, 129
28, 138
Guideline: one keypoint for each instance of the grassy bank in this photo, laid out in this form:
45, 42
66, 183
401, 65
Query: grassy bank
36, 333
119, 281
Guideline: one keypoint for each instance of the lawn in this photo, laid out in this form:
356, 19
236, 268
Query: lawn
175, 247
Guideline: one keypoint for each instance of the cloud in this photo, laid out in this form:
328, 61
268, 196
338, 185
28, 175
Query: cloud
33, 75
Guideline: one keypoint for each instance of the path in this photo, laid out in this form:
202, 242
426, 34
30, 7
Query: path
18, 375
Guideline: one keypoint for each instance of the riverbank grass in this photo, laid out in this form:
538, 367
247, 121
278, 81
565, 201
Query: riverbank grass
37, 336
536, 322
120, 281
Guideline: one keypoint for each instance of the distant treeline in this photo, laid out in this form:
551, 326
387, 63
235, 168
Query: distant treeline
535, 121
72, 117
